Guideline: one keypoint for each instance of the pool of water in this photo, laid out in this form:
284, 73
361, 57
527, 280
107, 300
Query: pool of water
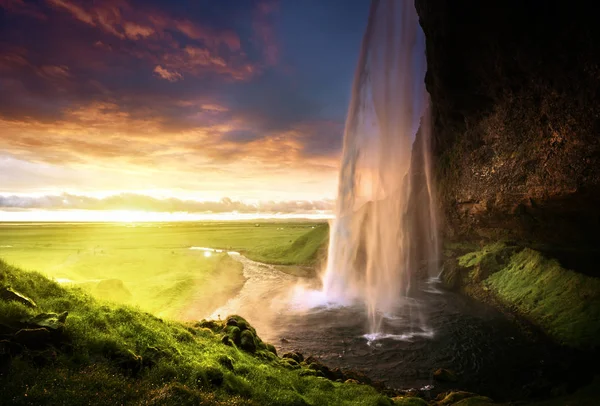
436, 329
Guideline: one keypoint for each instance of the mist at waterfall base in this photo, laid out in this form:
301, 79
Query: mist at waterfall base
372, 258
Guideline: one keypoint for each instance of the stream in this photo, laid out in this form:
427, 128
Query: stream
488, 352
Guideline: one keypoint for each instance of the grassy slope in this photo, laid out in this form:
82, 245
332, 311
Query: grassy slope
96, 362
306, 249
153, 263
563, 303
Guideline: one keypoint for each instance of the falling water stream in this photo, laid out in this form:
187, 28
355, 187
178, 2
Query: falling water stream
371, 255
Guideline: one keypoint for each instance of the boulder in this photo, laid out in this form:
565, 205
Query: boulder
10, 295
51, 321
295, 355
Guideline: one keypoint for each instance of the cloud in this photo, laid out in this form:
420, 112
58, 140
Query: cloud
130, 201
167, 75
196, 92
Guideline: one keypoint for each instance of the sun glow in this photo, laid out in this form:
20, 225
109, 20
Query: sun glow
139, 216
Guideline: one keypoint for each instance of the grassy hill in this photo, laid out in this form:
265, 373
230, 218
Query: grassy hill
108, 354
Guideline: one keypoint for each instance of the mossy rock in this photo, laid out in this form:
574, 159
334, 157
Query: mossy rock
234, 333
409, 401
453, 397
295, 355
212, 325
271, 348
239, 321
247, 341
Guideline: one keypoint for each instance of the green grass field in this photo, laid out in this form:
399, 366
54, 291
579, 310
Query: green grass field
151, 265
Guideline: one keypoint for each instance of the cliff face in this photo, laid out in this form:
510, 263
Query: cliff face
515, 98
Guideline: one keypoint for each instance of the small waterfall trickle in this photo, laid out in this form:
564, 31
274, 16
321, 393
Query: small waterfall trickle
385, 229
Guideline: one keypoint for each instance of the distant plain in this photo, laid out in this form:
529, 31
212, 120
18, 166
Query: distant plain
152, 265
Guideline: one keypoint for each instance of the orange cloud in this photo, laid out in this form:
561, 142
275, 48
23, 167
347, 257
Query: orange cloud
171, 76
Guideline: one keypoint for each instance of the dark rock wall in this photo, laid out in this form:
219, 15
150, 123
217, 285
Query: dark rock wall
515, 90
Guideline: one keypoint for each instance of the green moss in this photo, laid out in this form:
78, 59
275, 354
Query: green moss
121, 355
485, 255
565, 304
409, 401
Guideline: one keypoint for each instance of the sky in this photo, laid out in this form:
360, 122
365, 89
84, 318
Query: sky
172, 105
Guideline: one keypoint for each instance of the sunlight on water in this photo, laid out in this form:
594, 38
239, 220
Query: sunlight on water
373, 337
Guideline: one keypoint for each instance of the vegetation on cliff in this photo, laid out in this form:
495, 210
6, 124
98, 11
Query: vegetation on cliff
564, 304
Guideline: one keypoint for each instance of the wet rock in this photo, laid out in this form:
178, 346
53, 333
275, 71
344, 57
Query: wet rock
295, 355
284, 340
10, 295
451, 398
34, 338
247, 341
445, 375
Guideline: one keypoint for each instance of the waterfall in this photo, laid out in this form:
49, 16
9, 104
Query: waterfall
385, 232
